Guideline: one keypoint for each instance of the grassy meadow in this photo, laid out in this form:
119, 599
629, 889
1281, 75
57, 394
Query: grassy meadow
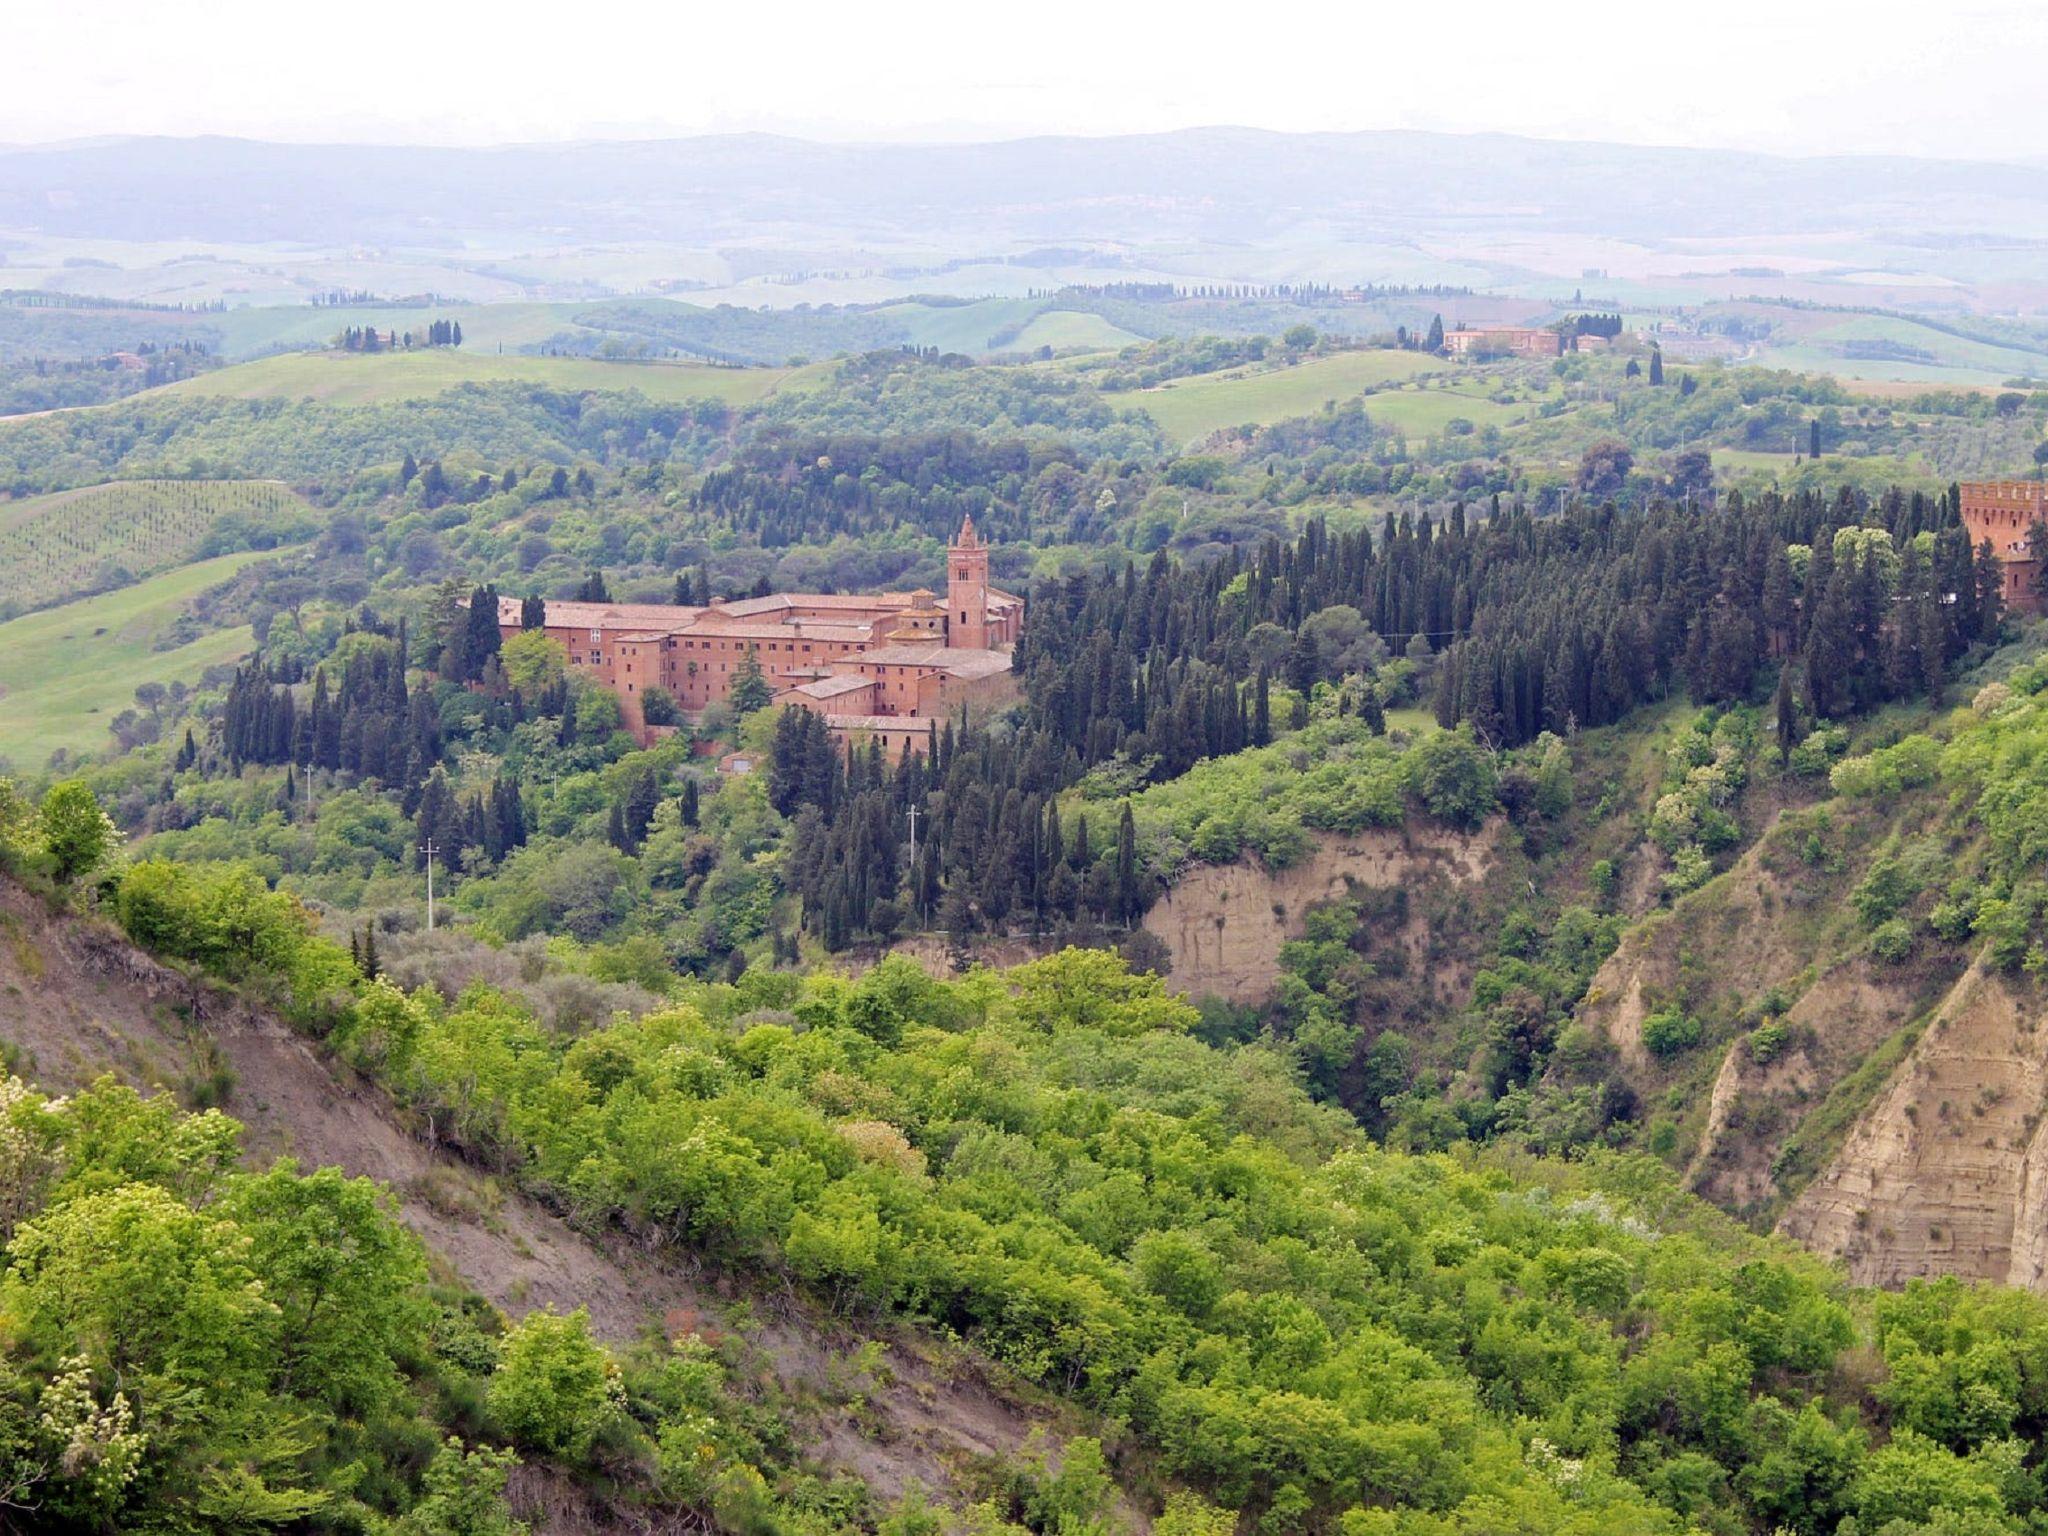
1919, 354
1190, 409
66, 672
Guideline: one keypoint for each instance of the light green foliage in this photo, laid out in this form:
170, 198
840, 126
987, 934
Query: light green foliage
18, 838
555, 1389
182, 1336
1823, 744
345, 1278
77, 835
1866, 544
1332, 776
464, 1495
1706, 770
223, 917
1882, 774
533, 661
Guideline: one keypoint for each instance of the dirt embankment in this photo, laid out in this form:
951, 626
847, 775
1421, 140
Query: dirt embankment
1947, 1171
77, 1001
1776, 921
1224, 924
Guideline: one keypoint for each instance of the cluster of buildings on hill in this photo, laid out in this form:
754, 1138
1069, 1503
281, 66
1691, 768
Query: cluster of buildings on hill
890, 666
1519, 341
893, 666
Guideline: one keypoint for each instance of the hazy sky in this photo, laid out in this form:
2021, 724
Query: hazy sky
1784, 75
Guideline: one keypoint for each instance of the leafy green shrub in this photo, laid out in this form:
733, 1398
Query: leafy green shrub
1953, 916
1768, 1040
1690, 869
1881, 892
1817, 753
1893, 941
1889, 771
1454, 777
555, 1389
1669, 1031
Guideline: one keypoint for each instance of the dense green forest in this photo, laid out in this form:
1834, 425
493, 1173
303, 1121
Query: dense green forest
1401, 1245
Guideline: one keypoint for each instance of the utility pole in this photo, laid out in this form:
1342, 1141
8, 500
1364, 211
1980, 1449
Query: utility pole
430, 850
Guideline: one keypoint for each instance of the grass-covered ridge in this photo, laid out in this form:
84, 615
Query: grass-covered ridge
351, 378
66, 672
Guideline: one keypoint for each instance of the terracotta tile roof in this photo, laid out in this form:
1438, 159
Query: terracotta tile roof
955, 661
833, 687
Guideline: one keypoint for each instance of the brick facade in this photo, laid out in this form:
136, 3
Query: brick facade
2002, 512
859, 660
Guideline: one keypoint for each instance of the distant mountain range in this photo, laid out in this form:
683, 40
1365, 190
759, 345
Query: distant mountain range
1215, 185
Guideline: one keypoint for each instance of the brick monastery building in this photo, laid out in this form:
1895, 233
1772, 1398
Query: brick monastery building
890, 666
2002, 512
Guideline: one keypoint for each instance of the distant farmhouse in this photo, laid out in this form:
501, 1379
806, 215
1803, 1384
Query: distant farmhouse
1503, 341
2002, 513
890, 666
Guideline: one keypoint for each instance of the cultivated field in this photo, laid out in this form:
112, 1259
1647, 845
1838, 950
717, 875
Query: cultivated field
1190, 409
352, 378
66, 672
70, 542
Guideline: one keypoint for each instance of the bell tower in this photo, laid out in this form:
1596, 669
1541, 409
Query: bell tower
967, 590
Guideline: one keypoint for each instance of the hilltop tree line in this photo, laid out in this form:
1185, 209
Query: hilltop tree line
1542, 624
367, 338
789, 488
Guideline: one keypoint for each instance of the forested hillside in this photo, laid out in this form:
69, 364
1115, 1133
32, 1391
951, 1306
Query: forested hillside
1486, 891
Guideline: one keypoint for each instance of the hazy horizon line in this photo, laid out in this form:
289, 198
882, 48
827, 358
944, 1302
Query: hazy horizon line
939, 136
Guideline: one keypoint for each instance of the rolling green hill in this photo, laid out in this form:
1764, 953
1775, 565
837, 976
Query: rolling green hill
1064, 328
345, 378
486, 327
1890, 347
1188, 409
66, 672
70, 542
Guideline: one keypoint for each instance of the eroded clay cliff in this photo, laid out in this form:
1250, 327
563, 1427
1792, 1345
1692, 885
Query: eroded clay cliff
1223, 924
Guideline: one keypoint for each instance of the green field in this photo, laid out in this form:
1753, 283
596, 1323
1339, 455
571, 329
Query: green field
66, 672
1190, 409
352, 378
57, 546
1926, 355
485, 327
1062, 329
1738, 460
1427, 412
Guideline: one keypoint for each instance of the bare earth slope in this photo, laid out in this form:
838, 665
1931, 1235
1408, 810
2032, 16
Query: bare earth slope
78, 1001
1224, 923
1947, 1173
